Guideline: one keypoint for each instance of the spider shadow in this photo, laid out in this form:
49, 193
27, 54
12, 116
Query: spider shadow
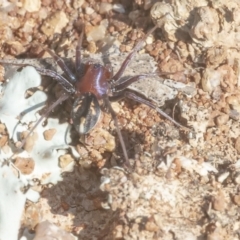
79, 196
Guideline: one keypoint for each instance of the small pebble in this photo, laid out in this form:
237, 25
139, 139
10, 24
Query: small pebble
219, 202
92, 48
151, 227
105, 7
222, 119
237, 144
55, 23
236, 199
237, 178
25, 165
89, 10
48, 134
96, 33
32, 5
223, 177
65, 160
14, 47
117, 7
30, 141
149, 40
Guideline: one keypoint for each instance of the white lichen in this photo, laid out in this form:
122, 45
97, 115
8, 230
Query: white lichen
13, 104
45, 153
12, 202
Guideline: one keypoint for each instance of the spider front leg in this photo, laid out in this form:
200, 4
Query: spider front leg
78, 54
62, 65
122, 84
67, 86
124, 65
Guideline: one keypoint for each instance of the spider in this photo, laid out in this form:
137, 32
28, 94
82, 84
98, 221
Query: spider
94, 90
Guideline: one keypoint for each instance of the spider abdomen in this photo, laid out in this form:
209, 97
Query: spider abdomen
85, 113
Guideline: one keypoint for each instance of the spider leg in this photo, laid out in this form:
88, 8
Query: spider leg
62, 65
114, 116
121, 85
118, 75
78, 53
135, 97
45, 115
68, 87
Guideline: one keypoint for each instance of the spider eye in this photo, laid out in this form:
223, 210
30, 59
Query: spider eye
96, 65
109, 67
85, 113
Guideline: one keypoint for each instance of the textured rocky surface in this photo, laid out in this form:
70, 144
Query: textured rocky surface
184, 185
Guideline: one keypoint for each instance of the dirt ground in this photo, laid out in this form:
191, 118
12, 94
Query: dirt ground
184, 182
